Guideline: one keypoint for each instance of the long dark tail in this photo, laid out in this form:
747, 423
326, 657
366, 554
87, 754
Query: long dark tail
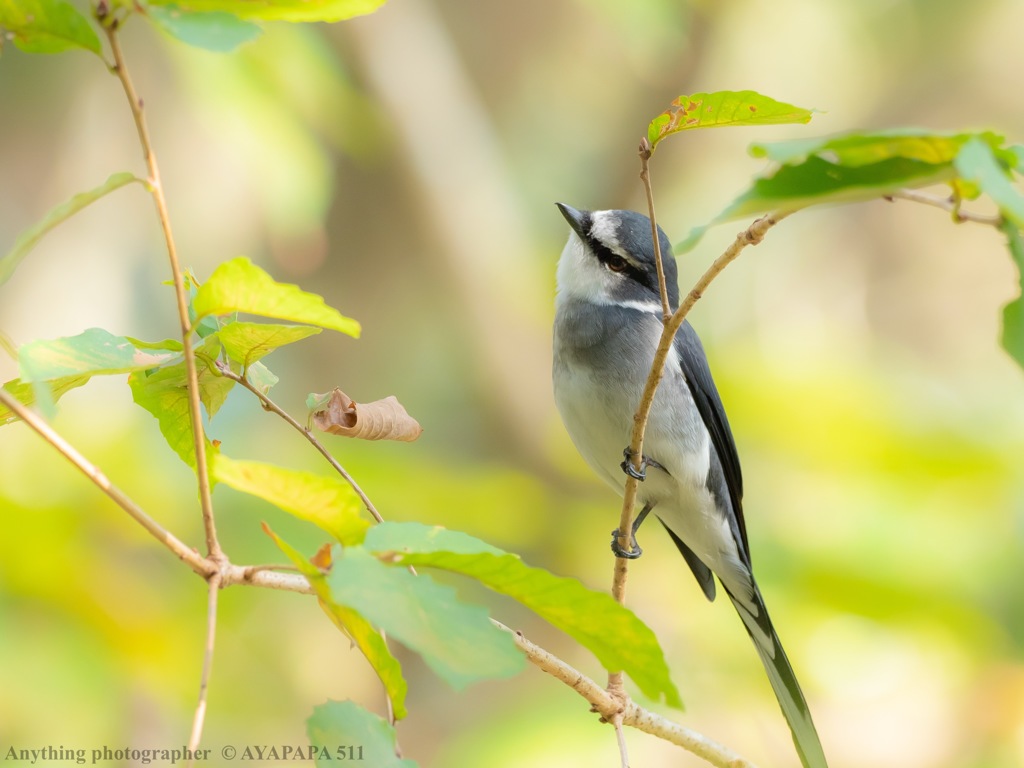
783, 679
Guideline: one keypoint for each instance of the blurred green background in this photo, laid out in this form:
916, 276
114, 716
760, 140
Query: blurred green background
405, 166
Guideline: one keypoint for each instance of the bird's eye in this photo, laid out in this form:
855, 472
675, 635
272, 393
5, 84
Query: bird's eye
617, 264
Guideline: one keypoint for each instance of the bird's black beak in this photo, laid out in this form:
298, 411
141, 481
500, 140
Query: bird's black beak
578, 220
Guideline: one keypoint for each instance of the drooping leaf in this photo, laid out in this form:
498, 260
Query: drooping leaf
164, 393
246, 343
47, 26
344, 725
326, 502
863, 166
817, 182
977, 163
1013, 313
456, 640
93, 352
722, 108
358, 629
28, 239
864, 148
610, 631
26, 393
281, 10
240, 286
216, 31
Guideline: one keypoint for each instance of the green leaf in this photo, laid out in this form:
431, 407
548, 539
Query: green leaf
1017, 151
93, 352
324, 501
375, 649
856, 149
456, 640
722, 108
817, 182
28, 239
280, 10
47, 26
25, 393
164, 393
240, 286
246, 343
261, 377
354, 626
609, 630
1013, 313
215, 30
977, 163
343, 725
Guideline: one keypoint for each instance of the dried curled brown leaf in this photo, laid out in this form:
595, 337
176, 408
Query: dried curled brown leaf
380, 420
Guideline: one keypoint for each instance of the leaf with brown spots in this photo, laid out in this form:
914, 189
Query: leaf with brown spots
722, 108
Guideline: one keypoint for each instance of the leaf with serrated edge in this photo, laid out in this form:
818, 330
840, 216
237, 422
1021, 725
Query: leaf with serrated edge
47, 26
609, 630
344, 725
246, 343
456, 640
720, 109
324, 501
28, 239
354, 626
240, 286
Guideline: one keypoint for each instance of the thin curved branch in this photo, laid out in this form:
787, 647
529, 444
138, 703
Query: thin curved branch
948, 204
181, 296
213, 585
270, 405
631, 713
752, 235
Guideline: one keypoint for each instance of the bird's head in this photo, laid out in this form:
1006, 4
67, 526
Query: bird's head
609, 259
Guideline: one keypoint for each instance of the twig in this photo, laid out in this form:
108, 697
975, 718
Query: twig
213, 584
645, 177
752, 235
243, 574
196, 562
948, 204
270, 405
620, 737
157, 190
632, 715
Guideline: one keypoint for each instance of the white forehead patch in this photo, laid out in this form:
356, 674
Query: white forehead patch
602, 229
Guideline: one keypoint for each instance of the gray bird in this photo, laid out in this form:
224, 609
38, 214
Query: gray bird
607, 326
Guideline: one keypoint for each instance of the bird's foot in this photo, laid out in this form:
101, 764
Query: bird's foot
634, 550
629, 469
627, 554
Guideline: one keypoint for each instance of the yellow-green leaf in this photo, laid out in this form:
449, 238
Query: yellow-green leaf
326, 502
240, 286
722, 108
